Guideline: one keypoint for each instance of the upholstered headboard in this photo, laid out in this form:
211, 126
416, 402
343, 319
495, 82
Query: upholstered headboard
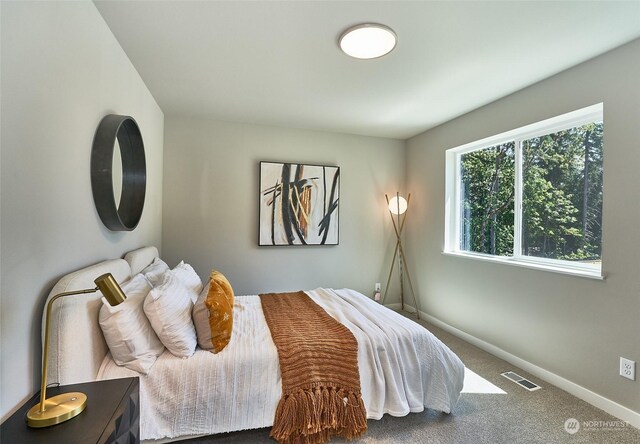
76, 345
140, 258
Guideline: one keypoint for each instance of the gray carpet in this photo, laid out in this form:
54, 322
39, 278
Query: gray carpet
519, 416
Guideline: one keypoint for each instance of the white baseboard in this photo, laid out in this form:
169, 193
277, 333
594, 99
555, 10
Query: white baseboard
599, 401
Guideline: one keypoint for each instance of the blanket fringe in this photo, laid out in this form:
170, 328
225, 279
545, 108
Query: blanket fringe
313, 414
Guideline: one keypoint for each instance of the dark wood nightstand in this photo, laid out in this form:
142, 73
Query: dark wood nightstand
112, 415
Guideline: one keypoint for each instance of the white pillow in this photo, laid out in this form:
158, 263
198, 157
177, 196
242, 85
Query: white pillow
200, 317
127, 331
168, 307
189, 278
155, 272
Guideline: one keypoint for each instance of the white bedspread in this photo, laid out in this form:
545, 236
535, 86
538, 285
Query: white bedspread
403, 368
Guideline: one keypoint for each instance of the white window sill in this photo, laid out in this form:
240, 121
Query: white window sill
581, 272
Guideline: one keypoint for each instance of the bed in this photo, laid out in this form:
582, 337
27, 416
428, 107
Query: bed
403, 367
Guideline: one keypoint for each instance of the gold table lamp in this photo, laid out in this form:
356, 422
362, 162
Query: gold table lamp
65, 406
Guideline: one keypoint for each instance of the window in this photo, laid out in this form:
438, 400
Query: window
531, 196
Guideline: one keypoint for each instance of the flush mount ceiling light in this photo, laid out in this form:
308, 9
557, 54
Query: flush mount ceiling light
368, 41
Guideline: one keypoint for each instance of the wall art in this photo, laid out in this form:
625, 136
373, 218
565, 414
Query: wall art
299, 204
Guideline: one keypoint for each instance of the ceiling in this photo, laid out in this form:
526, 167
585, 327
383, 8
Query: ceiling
278, 62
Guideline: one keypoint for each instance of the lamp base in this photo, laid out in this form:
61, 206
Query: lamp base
57, 409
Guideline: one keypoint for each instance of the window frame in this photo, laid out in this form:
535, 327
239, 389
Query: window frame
593, 113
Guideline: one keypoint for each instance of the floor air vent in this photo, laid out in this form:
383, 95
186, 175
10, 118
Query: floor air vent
521, 381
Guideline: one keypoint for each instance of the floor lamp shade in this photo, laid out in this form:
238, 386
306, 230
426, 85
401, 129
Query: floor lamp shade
398, 205
61, 408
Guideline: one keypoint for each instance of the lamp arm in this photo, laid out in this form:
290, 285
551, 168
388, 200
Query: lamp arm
404, 216
45, 351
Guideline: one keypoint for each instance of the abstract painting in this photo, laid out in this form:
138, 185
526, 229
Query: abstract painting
299, 204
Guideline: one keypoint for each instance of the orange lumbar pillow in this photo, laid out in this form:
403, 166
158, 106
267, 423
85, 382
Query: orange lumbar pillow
213, 313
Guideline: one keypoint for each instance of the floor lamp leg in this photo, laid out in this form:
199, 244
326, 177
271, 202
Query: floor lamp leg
393, 262
415, 301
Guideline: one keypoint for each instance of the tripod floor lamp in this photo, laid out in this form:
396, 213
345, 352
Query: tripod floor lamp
399, 206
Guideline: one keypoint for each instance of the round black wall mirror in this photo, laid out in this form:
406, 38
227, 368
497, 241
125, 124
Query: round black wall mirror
125, 215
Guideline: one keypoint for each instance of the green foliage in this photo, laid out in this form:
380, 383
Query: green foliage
487, 204
561, 196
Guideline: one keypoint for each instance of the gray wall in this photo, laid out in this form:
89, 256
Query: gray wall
210, 216
574, 327
62, 71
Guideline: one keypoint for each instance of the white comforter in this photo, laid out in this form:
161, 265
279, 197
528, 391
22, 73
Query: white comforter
403, 368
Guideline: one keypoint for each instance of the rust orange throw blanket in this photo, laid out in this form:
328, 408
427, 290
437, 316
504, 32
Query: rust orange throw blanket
319, 364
